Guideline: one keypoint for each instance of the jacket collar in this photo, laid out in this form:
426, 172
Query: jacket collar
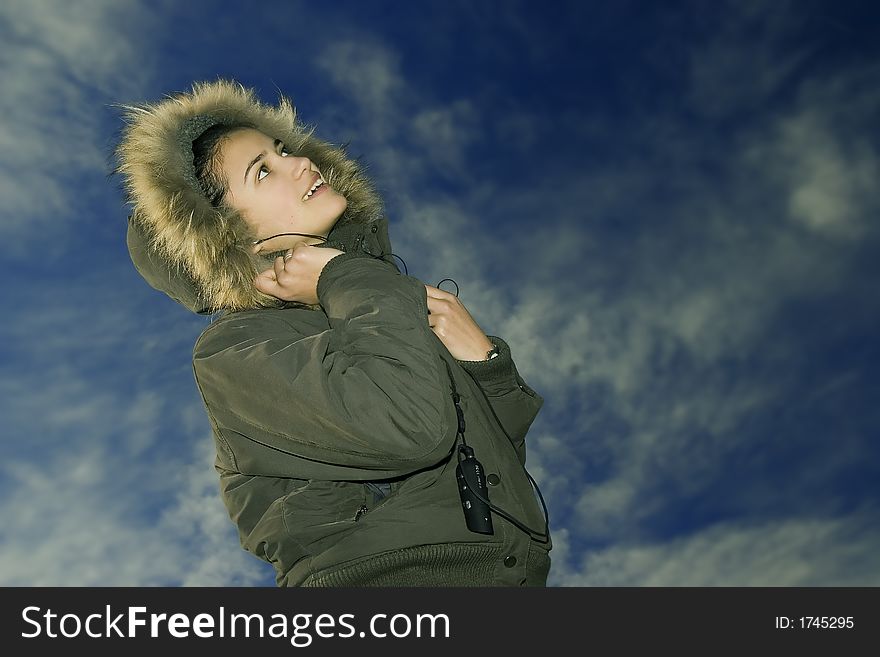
370, 237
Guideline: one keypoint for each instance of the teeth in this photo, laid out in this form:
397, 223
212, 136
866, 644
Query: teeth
317, 184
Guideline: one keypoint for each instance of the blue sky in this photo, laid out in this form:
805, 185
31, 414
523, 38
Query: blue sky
668, 210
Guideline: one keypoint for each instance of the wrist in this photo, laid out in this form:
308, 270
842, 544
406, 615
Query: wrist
496, 375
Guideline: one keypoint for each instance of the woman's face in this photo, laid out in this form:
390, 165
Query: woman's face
268, 185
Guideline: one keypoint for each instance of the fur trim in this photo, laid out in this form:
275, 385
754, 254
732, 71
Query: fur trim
182, 228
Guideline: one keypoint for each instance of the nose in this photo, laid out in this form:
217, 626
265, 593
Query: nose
299, 166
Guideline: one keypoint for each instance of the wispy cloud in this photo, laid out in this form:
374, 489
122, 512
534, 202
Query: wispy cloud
95, 493
405, 131
741, 61
829, 174
368, 72
79, 516
62, 63
644, 334
811, 551
646, 341
638, 264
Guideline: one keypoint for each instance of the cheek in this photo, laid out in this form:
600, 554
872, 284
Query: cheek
253, 212
273, 205
254, 228
280, 196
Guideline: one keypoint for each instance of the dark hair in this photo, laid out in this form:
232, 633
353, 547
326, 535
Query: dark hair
206, 161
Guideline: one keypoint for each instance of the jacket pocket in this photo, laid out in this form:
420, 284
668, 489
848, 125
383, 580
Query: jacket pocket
376, 494
379, 490
315, 514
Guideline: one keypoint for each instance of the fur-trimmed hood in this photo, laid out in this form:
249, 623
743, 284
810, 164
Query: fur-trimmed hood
177, 240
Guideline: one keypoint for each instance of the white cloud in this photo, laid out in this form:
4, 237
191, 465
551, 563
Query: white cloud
789, 552
109, 478
815, 150
85, 523
62, 63
445, 133
700, 282
89, 505
407, 133
830, 183
743, 59
594, 308
368, 73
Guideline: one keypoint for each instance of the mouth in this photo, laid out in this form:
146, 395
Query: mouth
318, 186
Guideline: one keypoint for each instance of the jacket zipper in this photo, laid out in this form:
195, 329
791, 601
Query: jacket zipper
360, 512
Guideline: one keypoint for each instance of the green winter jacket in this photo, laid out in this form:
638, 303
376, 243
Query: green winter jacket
335, 426
336, 435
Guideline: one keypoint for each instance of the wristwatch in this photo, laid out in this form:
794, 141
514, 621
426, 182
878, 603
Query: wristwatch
493, 352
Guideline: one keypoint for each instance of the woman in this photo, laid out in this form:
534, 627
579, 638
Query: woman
333, 382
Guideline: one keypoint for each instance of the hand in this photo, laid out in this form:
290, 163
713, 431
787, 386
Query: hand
294, 276
453, 324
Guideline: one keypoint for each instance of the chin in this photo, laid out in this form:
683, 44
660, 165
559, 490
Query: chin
337, 205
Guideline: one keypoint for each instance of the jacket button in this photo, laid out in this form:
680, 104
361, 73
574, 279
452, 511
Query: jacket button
510, 561
493, 479
373, 229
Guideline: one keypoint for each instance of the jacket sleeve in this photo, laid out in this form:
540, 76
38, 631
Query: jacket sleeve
514, 403
369, 393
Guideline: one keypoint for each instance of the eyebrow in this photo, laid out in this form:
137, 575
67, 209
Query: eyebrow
259, 157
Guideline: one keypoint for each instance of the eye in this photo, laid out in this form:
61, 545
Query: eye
263, 170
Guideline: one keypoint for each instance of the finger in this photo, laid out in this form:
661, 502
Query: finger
433, 305
279, 266
435, 292
266, 282
268, 274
